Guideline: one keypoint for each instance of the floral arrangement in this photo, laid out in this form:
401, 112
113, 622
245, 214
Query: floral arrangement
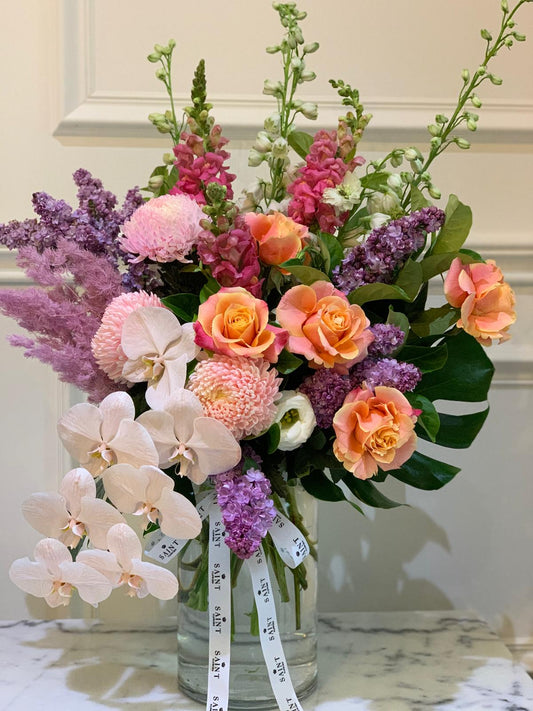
238, 346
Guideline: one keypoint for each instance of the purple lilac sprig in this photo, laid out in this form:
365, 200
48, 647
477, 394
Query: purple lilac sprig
386, 249
387, 338
385, 371
247, 509
326, 390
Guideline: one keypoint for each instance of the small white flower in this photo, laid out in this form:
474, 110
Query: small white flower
345, 195
378, 219
296, 419
387, 203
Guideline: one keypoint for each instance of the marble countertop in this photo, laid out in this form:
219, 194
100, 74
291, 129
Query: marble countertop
376, 661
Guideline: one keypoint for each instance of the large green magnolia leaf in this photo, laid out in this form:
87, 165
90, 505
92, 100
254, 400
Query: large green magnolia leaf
368, 493
185, 306
305, 275
456, 227
459, 431
424, 472
320, 486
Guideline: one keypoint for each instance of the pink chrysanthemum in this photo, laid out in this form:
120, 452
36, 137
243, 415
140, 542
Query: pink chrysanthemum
238, 391
164, 229
105, 344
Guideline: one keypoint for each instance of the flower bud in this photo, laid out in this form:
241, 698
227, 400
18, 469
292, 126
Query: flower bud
508, 42
434, 192
481, 71
486, 35
462, 143
471, 125
505, 6
416, 165
495, 79
263, 143
433, 129
441, 119
171, 43
412, 154
310, 47
280, 148
168, 159
273, 49
160, 73
159, 48
291, 41
395, 181
519, 37
386, 203
154, 57
216, 192
465, 74
436, 142
307, 76
297, 63
476, 101
396, 160
309, 110
272, 88
272, 124
255, 158
155, 182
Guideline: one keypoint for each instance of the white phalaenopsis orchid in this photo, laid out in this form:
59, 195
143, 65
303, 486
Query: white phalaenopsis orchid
121, 564
149, 492
53, 575
202, 446
158, 349
73, 512
98, 437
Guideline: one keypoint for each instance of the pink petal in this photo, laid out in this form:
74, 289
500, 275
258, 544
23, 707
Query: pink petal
92, 586
179, 518
32, 578
115, 408
123, 542
46, 513
126, 486
76, 484
98, 517
161, 583
133, 445
149, 331
216, 448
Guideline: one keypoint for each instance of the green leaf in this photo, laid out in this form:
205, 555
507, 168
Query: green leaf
336, 252
287, 362
368, 493
428, 419
475, 256
410, 279
375, 181
418, 201
209, 289
424, 472
321, 487
456, 227
300, 142
376, 292
427, 359
305, 275
466, 375
185, 306
397, 318
435, 321
273, 435
459, 431
438, 263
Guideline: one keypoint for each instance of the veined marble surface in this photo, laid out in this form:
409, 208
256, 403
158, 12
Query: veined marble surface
379, 661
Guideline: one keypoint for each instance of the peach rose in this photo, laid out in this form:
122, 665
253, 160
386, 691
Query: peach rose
374, 429
485, 299
323, 326
278, 237
234, 323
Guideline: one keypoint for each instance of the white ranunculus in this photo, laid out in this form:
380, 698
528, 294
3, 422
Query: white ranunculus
345, 195
296, 419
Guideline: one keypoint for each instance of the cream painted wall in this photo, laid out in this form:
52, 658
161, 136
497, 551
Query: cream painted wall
78, 69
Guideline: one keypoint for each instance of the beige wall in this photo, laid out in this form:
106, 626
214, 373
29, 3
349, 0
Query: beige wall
77, 69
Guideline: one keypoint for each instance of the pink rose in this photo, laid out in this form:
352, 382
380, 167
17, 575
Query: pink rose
374, 429
279, 238
485, 299
234, 323
324, 327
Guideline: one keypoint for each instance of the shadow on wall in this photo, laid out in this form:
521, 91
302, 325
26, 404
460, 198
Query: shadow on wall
362, 559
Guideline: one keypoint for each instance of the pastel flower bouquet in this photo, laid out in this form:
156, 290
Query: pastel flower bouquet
237, 350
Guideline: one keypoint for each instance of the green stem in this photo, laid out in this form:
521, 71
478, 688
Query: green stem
297, 604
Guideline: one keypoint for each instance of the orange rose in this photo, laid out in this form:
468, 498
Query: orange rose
486, 300
233, 322
323, 326
374, 429
278, 237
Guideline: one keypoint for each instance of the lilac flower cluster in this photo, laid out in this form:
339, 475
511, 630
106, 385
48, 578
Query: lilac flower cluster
387, 338
386, 249
247, 509
326, 390
385, 371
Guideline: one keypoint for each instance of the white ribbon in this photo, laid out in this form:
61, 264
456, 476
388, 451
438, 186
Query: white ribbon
219, 614
289, 541
164, 548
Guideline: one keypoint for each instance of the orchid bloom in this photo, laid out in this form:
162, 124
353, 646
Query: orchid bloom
158, 349
149, 492
121, 564
202, 446
53, 575
98, 437
73, 512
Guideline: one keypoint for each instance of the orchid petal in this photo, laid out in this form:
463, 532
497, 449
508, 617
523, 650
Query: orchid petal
98, 517
160, 427
133, 445
216, 448
124, 543
158, 482
76, 484
160, 583
52, 554
92, 586
104, 562
79, 430
32, 578
179, 517
126, 486
185, 408
149, 331
115, 408
46, 513
158, 394
186, 345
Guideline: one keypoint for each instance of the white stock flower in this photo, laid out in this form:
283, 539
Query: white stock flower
73, 512
121, 564
296, 419
202, 446
158, 349
387, 203
53, 575
149, 492
98, 437
345, 195
378, 219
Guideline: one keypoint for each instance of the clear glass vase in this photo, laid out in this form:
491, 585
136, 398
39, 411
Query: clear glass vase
249, 683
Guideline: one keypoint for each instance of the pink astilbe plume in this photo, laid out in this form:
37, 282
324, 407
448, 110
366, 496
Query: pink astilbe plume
63, 313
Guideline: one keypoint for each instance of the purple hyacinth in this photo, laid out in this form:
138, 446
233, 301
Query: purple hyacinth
387, 338
247, 509
326, 390
386, 249
385, 371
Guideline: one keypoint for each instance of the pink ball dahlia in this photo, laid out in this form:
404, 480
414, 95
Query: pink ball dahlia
164, 229
105, 344
238, 391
